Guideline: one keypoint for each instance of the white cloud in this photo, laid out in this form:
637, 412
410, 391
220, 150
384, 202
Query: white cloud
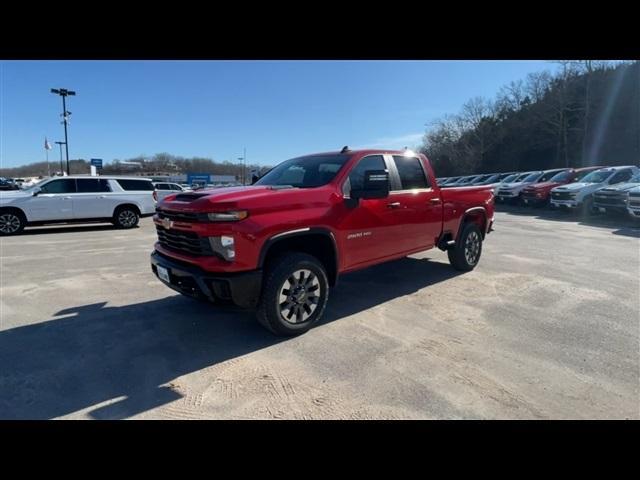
411, 140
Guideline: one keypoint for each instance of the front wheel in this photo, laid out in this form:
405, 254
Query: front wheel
294, 294
11, 223
466, 254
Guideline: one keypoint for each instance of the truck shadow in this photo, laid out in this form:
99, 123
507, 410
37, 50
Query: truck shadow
114, 362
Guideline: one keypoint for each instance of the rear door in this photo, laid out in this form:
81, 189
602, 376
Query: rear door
93, 199
416, 204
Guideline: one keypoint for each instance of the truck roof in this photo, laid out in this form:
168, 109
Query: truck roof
368, 151
117, 177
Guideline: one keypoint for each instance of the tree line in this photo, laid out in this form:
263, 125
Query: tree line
586, 114
158, 164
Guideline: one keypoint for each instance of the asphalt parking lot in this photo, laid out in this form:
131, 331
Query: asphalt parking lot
547, 326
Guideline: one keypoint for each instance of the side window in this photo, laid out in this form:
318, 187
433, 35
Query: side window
136, 184
67, 185
356, 177
92, 185
176, 187
411, 172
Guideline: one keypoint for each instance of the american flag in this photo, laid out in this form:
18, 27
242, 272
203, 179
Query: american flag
47, 145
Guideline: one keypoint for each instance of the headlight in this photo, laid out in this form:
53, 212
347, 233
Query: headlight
232, 216
223, 246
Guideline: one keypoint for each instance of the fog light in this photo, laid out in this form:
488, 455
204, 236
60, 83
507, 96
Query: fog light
223, 246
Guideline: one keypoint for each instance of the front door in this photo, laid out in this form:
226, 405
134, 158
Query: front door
53, 202
369, 231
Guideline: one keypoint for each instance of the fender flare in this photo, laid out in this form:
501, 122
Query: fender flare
274, 239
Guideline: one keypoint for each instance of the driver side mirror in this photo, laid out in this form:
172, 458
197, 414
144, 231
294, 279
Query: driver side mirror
376, 185
36, 192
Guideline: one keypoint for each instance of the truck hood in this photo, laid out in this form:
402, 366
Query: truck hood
251, 197
576, 187
11, 194
622, 187
512, 185
543, 186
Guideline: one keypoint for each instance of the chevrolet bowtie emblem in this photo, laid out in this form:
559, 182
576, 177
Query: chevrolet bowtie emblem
166, 223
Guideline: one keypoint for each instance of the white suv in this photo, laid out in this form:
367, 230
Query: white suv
120, 200
164, 189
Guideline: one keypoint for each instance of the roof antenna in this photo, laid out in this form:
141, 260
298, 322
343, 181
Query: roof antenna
344, 149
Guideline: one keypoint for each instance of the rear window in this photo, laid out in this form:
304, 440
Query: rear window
135, 184
411, 172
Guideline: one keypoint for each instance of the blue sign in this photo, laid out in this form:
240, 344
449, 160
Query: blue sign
198, 178
96, 162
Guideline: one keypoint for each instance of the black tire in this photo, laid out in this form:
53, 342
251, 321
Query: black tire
466, 254
12, 222
312, 290
126, 217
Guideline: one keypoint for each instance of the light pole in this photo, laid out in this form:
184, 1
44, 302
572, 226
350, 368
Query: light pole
61, 143
243, 160
63, 92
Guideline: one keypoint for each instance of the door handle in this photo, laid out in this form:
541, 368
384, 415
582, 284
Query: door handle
102, 196
434, 200
393, 205
66, 198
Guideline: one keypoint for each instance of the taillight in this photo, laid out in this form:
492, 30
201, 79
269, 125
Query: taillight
155, 195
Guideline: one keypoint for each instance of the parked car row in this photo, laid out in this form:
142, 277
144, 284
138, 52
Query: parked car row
592, 190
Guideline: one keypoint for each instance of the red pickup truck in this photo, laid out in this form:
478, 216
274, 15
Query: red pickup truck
278, 245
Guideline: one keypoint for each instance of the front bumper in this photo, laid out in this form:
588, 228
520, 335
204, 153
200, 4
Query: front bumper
242, 289
533, 199
564, 203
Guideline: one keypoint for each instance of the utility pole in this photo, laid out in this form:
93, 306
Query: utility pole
63, 92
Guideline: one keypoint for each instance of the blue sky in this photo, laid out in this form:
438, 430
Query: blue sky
274, 109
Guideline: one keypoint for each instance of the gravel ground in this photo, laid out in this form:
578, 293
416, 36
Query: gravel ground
547, 326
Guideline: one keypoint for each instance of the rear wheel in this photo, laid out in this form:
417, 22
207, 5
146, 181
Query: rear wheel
126, 217
294, 294
11, 222
466, 254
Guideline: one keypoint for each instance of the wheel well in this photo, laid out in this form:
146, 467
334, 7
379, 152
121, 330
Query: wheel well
479, 217
15, 210
130, 205
319, 245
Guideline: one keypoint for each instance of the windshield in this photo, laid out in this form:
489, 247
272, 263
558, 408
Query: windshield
562, 176
531, 177
469, 179
634, 179
305, 172
510, 178
549, 175
598, 176
491, 179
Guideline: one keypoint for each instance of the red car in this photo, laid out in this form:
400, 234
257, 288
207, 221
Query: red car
540, 193
278, 245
